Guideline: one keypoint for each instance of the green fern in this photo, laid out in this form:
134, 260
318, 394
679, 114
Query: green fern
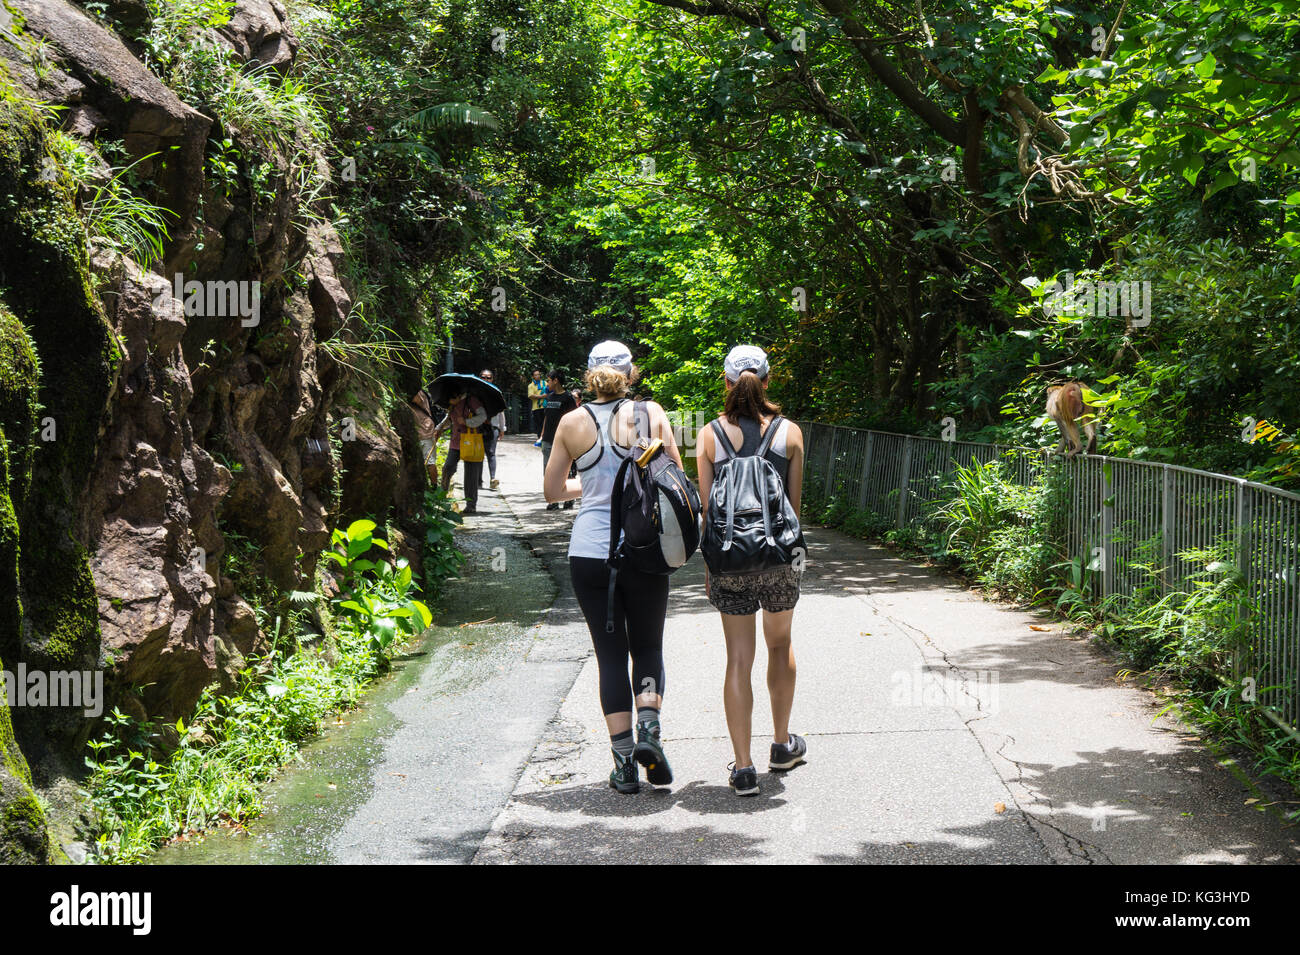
447, 118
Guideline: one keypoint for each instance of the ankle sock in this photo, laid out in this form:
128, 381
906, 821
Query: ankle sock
647, 714
622, 743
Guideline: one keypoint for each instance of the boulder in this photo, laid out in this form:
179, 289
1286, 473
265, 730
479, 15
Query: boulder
374, 483
154, 494
260, 34
240, 638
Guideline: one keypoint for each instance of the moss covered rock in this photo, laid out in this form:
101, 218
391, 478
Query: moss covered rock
22, 824
52, 317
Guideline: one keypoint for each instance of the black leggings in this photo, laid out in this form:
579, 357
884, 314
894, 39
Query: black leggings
640, 605
473, 474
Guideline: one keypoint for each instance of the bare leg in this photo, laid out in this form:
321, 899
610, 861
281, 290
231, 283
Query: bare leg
622, 722
737, 691
618, 722
780, 671
652, 701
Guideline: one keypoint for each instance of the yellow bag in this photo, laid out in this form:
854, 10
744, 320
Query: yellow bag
471, 446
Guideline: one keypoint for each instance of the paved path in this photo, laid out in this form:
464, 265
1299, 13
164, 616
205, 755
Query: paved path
941, 728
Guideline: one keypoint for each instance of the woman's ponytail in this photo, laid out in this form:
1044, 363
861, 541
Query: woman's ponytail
748, 399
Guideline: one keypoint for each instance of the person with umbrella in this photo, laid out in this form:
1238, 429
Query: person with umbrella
470, 402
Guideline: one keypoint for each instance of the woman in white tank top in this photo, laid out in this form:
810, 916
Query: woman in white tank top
598, 436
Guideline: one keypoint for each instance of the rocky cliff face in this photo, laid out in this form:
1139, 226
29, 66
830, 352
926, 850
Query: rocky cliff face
176, 435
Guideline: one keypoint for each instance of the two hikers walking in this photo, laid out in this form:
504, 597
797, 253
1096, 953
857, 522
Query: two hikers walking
626, 607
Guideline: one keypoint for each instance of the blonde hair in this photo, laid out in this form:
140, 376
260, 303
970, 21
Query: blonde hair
608, 382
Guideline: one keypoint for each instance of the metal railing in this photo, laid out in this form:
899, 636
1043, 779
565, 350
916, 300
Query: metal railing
1130, 520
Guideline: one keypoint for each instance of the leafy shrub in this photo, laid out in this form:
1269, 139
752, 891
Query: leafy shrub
999, 530
377, 596
143, 792
441, 558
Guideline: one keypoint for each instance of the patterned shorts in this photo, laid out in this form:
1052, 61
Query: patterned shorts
742, 594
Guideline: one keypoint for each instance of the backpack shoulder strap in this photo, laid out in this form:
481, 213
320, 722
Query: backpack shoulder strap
641, 419
721, 433
615, 531
616, 509
772, 427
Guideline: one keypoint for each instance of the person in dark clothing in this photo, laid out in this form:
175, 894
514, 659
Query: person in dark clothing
557, 403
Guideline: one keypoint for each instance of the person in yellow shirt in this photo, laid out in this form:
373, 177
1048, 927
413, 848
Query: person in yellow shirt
537, 391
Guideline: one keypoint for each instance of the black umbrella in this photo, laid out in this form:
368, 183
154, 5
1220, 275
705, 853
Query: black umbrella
445, 387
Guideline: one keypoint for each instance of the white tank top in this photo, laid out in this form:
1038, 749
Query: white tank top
597, 467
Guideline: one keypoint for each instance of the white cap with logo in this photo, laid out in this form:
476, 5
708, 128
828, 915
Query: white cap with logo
745, 358
612, 353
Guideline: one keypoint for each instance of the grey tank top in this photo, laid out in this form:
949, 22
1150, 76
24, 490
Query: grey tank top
597, 467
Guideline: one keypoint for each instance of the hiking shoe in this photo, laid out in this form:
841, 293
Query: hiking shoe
568, 505
649, 752
789, 755
553, 506
625, 777
744, 781
495, 484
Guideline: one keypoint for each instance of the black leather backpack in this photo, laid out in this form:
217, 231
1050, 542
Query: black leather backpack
654, 511
751, 525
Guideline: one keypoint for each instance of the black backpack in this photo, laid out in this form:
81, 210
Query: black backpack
751, 525
654, 506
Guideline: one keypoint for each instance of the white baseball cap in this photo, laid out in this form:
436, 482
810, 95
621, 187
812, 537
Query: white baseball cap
745, 358
612, 353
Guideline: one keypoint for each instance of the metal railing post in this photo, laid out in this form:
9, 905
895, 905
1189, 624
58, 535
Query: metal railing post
1243, 542
866, 471
1167, 528
1107, 530
902, 486
830, 463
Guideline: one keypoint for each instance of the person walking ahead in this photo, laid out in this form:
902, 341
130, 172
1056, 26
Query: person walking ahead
599, 436
748, 415
555, 406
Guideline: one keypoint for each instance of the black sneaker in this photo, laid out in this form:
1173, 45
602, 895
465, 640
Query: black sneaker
625, 777
553, 506
649, 753
787, 756
744, 781
568, 505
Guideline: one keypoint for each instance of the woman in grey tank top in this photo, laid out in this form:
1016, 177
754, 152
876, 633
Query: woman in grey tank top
598, 437
738, 597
